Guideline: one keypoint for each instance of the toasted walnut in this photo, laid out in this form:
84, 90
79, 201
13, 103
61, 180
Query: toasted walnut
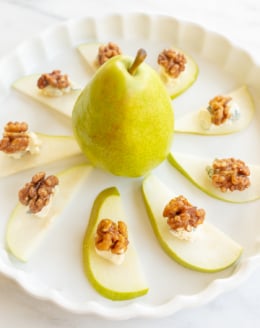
182, 215
230, 174
15, 137
54, 79
112, 236
106, 52
172, 61
36, 194
219, 109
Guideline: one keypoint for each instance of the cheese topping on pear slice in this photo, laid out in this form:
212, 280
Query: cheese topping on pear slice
116, 282
25, 231
194, 122
63, 104
194, 169
52, 148
211, 250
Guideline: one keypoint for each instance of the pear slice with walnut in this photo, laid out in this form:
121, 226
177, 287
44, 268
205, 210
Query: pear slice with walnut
198, 122
194, 168
176, 86
52, 148
210, 251
116, 282
25, 231
63, 104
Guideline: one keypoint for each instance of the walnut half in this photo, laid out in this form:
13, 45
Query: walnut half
219, 108
181, 214
15, 137
230, 174
54, 79
111, 236
106, 52
172, 61
36, 193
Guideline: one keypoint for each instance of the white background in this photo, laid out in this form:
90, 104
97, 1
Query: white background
238, 20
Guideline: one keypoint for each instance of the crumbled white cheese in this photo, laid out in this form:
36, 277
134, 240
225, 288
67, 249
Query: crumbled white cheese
51, 91
34, 144
33, 147
116, 259
183, 234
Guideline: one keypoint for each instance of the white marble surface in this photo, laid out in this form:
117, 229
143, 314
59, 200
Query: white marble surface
237, 19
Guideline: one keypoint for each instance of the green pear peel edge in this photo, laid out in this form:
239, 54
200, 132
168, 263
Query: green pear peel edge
88, 248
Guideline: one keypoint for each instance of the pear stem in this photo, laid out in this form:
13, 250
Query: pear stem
139, 58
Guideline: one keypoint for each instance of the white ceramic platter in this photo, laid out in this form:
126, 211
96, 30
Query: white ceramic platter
55, 271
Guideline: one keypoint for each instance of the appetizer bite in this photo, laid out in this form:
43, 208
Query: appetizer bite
54, 90
18, 140
183, 218
21, 149
110, 261
177, 70
41, 201
227, 179
183, 232
224, 114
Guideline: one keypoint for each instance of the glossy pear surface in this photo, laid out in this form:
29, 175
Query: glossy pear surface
124, 122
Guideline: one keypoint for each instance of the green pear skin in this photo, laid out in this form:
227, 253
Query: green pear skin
124, 123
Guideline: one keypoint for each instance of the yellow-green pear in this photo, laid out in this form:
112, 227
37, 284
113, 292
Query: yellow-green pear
123, 119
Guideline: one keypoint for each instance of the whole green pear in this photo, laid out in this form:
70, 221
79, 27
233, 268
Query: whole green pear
123, 120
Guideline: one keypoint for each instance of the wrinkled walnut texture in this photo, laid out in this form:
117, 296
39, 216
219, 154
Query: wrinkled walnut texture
230, 174
111, 236
36, 194
172, 61
219, 109
106, 52
182, 215
54, 79
15, 137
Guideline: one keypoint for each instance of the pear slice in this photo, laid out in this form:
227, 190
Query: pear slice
194, 169
89, 52
210, 251
176, 86
53, 148
25, 231
63, 104
193, 122
116, 282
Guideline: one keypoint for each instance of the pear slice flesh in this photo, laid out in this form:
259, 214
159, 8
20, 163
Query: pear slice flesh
210, 251
26, 231
116, 282
175, 87
52, 148
27, 85
194, 169
89, 52
191, 122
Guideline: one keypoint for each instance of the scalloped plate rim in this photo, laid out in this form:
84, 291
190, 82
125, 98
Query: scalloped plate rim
135, 309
